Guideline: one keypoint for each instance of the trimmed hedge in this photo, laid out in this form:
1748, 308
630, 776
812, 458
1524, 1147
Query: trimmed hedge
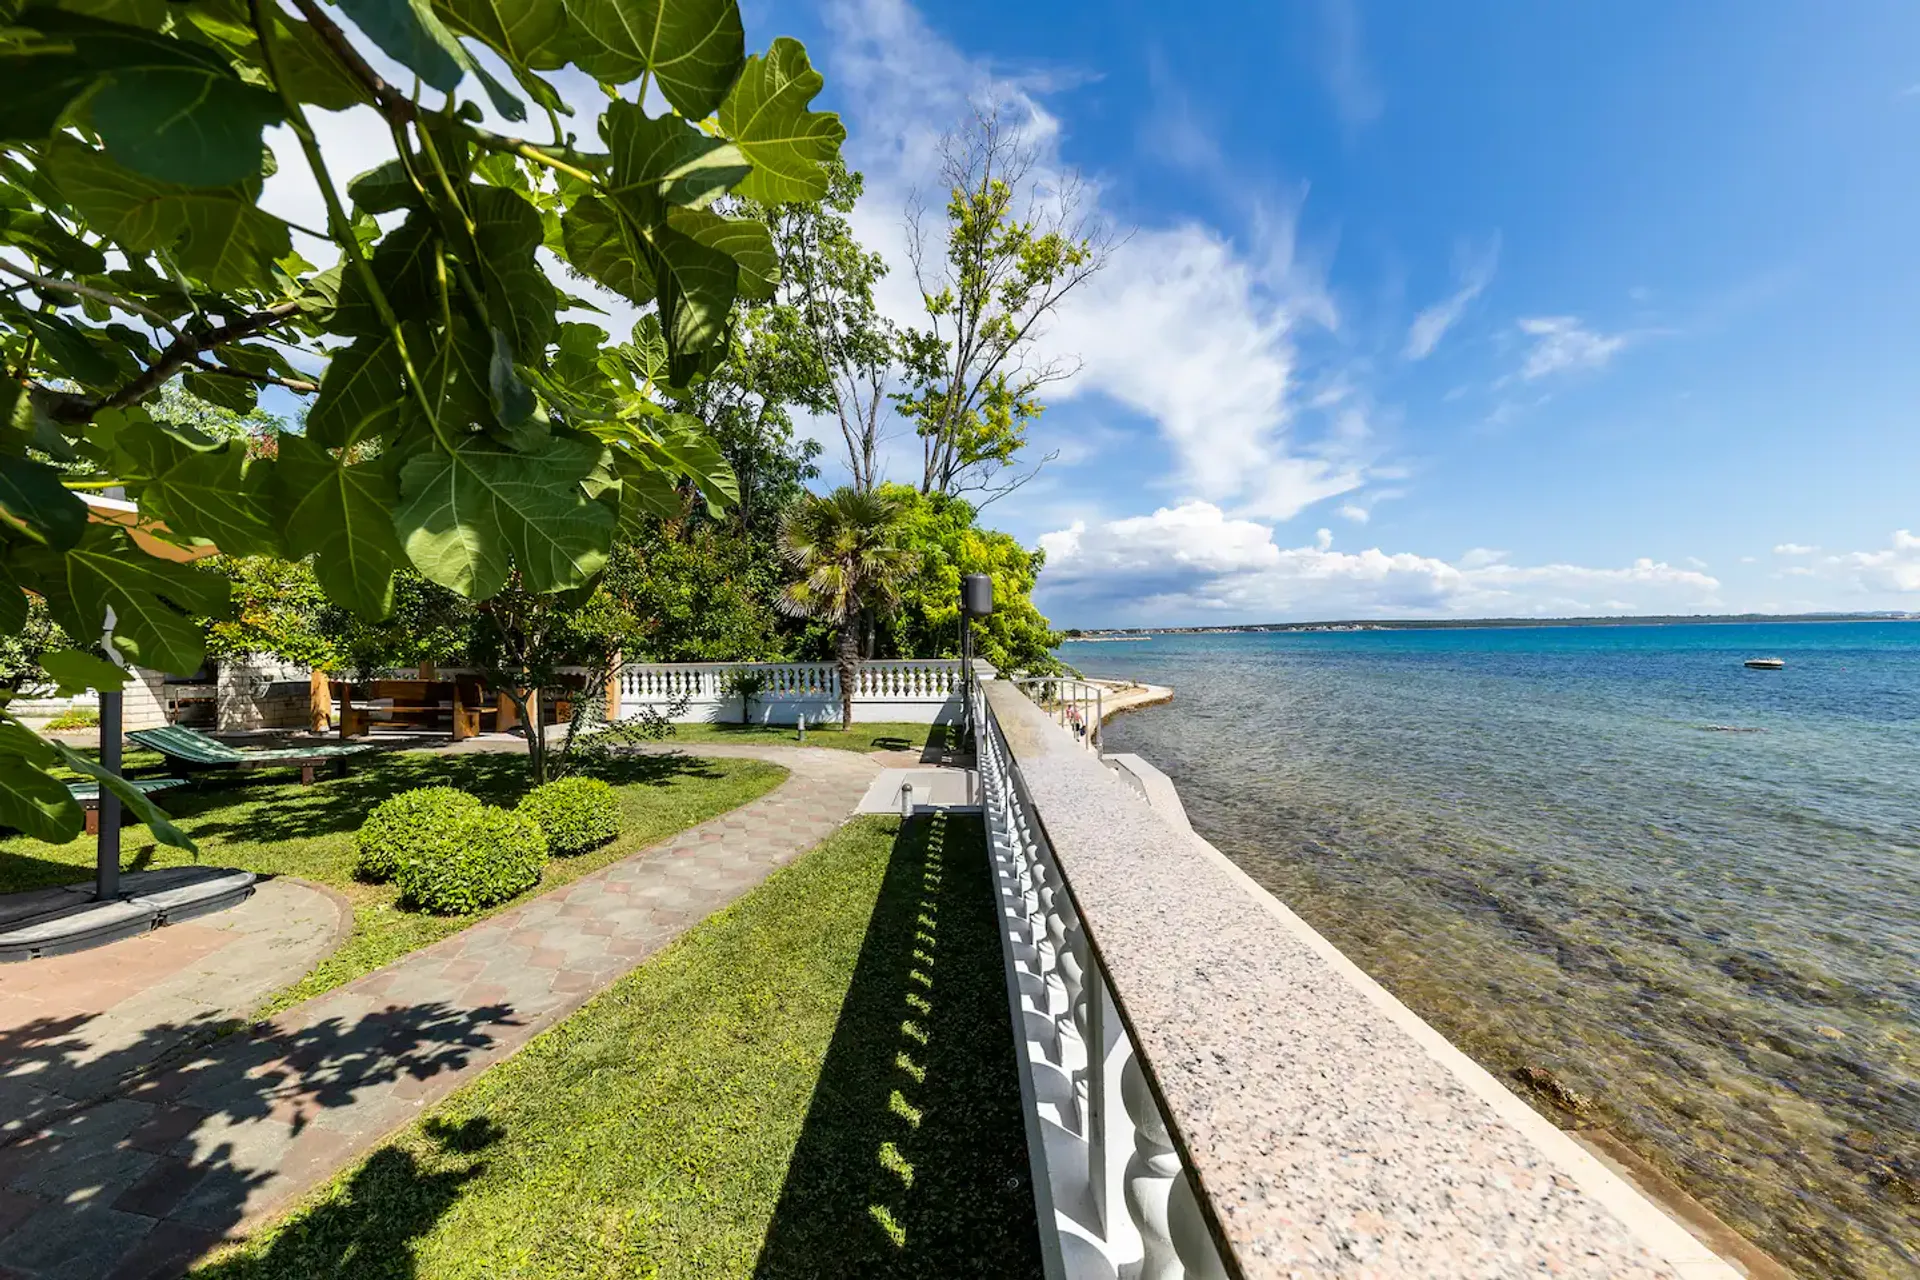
577, 814
489, 856
407, 827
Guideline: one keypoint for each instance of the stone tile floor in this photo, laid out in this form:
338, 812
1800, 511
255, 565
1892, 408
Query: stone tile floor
140, 1183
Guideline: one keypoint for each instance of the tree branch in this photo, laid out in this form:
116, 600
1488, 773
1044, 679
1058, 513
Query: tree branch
182, 352
259, 379
88, 291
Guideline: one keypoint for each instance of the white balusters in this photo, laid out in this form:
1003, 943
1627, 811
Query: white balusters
1117, 1183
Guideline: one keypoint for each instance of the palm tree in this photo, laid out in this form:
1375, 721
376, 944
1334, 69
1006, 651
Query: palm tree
846, 549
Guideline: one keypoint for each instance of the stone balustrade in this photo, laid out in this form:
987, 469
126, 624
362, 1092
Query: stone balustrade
1212, 1089
915, 691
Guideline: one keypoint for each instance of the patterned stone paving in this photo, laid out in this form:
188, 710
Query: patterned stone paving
141, 1182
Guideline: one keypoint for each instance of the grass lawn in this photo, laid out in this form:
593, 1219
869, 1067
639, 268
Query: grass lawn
817, 1081
268, 822
862, 737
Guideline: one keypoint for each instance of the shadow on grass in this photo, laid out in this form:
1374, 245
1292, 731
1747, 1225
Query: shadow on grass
175, 1152
287, 811
912, 1160
368, 1231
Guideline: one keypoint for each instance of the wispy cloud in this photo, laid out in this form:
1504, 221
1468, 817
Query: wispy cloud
1562, 344
1195, 560
1794, 549
1349, 77
1475, 270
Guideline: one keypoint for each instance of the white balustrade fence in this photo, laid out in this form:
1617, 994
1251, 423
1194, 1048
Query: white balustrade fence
916, 691
1113, 1197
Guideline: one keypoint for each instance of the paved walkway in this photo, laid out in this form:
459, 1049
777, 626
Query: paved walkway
71, 1027
140, 1184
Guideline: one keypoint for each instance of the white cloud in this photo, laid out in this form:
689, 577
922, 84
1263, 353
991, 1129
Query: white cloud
1350, 79
1562, 345
1475, 273
1188, 327
1355, 512
1893, 569
1794, 549
1194, 560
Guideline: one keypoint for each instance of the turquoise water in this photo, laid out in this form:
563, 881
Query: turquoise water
1687, 891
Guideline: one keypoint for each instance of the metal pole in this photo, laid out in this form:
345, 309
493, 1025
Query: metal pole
106, 857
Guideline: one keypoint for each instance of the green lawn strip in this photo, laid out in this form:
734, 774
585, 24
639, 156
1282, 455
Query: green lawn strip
861, 737
816, 1081
271, 824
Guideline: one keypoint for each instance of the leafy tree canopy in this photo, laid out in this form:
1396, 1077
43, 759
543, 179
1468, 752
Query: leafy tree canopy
947, 541
465, 424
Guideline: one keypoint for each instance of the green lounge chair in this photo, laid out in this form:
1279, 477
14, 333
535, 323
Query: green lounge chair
189, 748
88, 794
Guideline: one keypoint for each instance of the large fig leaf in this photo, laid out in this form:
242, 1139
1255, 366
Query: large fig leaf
157, 604
31, 799
467, 517
694, 48
342, 515
200, 488
767, 115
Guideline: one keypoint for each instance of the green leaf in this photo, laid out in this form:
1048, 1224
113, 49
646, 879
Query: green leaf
200, 488
383, 188
342, 516
686, 444
157, 604
525, 33
197, 125
468, 517
75, 671
513, 404
39, 89
746, 240
235, 394
217, 235
77, 357
697, 287
665, 159
408, 32
34, 502
13, 604
137, 802
169, 108
405, 265
311, 71
694, 48
602, 244
767, 115
520, 298
361, 395
31, 799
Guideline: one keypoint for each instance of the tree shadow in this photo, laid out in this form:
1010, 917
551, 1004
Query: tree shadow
137, 1156
912, 1160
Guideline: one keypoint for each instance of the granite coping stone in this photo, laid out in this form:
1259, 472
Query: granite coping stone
1326, 1136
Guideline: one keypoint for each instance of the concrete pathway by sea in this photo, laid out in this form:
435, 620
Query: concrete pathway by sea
140, 1182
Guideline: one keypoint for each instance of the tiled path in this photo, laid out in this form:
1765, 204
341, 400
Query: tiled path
142, 1183
71, 1027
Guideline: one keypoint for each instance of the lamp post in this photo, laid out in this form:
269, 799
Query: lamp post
106, 858
976, 601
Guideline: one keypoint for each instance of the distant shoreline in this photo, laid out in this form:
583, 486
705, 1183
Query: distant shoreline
1098, 635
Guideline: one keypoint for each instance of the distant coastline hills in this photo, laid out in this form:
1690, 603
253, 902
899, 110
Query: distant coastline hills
1454, 624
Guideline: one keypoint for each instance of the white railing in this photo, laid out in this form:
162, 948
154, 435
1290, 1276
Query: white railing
1113, 1198
1075, 705
919, 690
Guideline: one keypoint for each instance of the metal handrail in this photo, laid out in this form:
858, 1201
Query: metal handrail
1077, 705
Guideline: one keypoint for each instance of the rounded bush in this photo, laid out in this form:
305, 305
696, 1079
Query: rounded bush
577, 814
489, 856
406, 827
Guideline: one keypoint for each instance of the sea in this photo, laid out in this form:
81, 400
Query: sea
1658, 892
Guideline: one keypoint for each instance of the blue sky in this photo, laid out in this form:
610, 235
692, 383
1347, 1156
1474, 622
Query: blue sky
1447, 309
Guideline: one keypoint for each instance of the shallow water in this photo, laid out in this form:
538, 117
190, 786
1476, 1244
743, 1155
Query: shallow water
1548, 842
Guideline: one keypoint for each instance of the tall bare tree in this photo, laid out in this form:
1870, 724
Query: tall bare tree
1017, 243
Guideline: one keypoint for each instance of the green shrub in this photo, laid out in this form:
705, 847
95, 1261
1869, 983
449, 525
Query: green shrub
577, 814
489, 856
409, 826
75, 718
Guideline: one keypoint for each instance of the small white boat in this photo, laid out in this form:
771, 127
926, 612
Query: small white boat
1766, 664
